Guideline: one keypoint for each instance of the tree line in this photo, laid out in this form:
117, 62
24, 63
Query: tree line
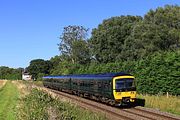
148, 47
10, 73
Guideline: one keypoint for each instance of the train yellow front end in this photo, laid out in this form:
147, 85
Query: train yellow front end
124, 89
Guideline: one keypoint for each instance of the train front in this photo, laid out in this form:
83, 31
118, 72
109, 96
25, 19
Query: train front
124, 89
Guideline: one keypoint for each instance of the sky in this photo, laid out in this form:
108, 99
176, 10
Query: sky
30, 29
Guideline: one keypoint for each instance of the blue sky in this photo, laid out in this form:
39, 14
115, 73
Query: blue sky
29, 29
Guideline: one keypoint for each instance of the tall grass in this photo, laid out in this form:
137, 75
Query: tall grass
41, 106
169, 104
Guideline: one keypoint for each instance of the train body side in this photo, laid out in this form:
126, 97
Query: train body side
101, 86
93, 86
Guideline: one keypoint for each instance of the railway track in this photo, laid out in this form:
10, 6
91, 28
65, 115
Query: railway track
153, 115
88, 105
162, 116
116, 113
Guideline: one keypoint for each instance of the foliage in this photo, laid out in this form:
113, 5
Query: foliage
39, 66
10, 73
107, 40
56, 60
64, 68
40, 75
159, 73
81, 52
132, 37
74, 44
41, 106
159, 31
168, 16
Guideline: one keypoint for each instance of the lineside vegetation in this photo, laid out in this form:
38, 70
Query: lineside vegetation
170, 104
39, 105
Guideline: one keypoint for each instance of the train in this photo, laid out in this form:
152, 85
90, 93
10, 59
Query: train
111, 88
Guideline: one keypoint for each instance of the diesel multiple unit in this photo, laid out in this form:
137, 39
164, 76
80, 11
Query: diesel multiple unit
111, 88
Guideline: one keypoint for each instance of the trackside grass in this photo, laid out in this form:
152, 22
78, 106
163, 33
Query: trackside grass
39, 105
170, 104
8, 101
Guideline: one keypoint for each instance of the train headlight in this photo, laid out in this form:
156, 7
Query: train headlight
132, 92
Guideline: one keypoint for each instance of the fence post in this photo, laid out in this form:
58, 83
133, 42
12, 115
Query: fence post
167, 94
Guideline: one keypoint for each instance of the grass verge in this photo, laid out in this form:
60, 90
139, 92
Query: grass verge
39, 105
8, 101
170, 104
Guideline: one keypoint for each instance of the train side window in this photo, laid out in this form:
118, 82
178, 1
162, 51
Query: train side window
95, 84
81, 83
106, 84
99, 84
91, 83
74, 81
78, 82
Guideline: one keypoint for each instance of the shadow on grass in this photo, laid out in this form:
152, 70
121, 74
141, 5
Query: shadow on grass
140, 102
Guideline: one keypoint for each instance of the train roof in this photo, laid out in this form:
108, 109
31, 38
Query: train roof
87, 76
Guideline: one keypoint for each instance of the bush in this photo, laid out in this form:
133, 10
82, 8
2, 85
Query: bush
159, 73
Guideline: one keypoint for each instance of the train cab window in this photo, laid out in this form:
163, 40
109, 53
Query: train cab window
119, 84
129, 83
124, 83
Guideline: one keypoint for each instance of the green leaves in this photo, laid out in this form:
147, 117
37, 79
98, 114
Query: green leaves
107, 40
132, 37
10, 73
39, 67
160, 73
74, 44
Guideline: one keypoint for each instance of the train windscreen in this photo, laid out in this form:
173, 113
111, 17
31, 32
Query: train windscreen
124, 83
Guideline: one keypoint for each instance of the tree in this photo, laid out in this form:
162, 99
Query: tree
10, 73
146, 39
159, 31
55, 60
38, 66
107, 40
81, 52
168, 15
74, 44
